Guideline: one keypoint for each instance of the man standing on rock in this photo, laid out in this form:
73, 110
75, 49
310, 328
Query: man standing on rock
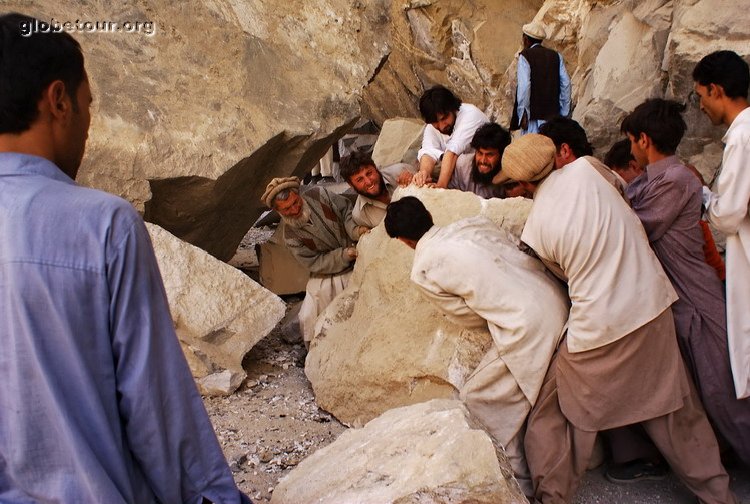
448, 133
474, 272
373, 186
543, 84
475, 171
721, 84
320, 234
619, 363
97, 403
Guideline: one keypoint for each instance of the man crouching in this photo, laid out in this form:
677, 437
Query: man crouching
318, 231
474, 272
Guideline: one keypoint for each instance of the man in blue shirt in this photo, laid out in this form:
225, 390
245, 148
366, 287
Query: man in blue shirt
543, 84
97, 403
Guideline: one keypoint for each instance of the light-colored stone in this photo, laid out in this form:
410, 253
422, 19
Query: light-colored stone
432, 452
380, 345
219, 313
399, 141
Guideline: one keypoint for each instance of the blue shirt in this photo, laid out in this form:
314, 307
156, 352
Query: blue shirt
97, 403
523, 93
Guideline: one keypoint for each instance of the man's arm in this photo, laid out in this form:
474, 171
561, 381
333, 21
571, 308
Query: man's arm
322, 263
523, 92
165, 423
433, 147
662, 204
468, 120
565, 89
727, 209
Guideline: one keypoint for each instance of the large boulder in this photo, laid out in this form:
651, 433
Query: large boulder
219, 313
380, 344
433, 452
190, 122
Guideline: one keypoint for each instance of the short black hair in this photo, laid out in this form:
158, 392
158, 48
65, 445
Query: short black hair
562, 130
726, 69
619, 155
407, 218
29, 63
437, 100
491, 136
661, 120
352, 163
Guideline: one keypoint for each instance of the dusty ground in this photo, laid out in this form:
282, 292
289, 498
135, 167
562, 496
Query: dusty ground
272, 422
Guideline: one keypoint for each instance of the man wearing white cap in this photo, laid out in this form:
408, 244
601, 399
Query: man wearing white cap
320, 234
543, 84
619, 363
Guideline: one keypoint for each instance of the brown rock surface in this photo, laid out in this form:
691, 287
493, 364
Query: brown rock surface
380, 345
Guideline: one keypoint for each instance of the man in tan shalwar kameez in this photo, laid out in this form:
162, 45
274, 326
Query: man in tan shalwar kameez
619, 363
473, 271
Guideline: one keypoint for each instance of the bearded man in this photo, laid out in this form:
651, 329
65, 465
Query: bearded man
475, 171
374, 187
320, 234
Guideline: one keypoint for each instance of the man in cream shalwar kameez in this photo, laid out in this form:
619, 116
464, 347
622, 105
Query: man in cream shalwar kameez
474, 272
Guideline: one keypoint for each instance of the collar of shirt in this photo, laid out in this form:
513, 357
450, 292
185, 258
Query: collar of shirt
15, 163
742, 117
659, 167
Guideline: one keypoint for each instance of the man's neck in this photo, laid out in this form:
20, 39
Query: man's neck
655, 156
734, 108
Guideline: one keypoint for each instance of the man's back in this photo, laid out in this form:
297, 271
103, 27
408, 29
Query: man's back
580, 222
98, 403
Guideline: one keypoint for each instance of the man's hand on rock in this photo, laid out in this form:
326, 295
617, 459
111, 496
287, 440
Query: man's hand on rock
405, 178
351, 253
420, 178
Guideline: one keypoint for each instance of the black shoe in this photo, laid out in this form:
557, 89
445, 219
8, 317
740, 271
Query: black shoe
637, 470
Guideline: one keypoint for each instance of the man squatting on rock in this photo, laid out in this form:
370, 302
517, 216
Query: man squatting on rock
320, 234
447, 134
474, 272
97, 403
583, 229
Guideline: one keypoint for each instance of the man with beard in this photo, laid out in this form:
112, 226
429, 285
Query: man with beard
448, 133
320, 234
474, 172
373, 186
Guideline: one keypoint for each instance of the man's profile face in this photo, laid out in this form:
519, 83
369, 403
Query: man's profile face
367, 182
709, 103
637, 150
290, 207
445, 122
77, 130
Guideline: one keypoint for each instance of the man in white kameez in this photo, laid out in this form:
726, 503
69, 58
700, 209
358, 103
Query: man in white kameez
721, 84
473, 271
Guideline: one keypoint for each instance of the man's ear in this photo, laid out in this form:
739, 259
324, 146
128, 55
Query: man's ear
715, 90
565, 151
57, 99
644, 142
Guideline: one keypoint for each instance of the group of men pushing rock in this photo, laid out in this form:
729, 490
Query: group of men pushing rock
606, 316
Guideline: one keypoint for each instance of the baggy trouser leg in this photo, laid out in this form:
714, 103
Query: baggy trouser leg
686, 440
557, 453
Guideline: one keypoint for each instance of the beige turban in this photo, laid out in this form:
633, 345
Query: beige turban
529, 158
534, 30
277, 185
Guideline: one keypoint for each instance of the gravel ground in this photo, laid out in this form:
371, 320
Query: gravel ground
272, 422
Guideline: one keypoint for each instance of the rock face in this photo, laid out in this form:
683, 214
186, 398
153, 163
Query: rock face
399, 141
190, 122
380, 344
219, 313
431, 452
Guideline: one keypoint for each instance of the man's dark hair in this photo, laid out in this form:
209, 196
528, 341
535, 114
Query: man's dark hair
437, 100
491, 136
351, 164
726, 69
562, 130
661, 120
619, 155
407, 218
29, 62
